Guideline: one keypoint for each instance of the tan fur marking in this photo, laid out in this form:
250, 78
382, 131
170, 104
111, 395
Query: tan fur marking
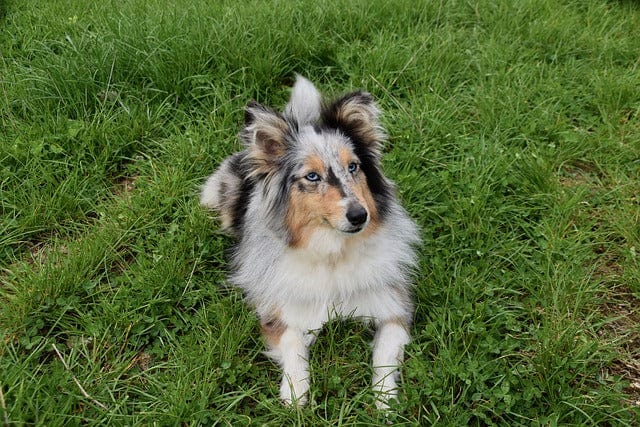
315, 164
309, 210
398, 321
345, 156
362, 192
306, 210
298, 219
366, 198
272, 329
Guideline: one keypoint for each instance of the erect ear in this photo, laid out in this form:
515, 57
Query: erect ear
304, 105
264, 134
358, 116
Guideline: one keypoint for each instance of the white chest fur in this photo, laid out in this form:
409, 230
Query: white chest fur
335, 274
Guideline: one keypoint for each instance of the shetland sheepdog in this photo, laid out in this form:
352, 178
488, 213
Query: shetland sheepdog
320, 233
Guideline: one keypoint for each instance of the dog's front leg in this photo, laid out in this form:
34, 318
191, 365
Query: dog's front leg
294, 353
290, 348
388, 352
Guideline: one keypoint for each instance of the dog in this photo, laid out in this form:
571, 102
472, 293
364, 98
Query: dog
320, 232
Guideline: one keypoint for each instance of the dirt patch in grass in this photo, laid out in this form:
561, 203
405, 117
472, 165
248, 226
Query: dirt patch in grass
624, 311
579, 173
39, 252
620, 307
125, 186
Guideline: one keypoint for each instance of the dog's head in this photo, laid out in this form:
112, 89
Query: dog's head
320, 163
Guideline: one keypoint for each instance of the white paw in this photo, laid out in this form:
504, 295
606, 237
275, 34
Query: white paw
385, 389
382, 400
294, 392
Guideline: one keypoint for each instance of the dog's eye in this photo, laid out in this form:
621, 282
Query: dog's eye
353, 166
312, 176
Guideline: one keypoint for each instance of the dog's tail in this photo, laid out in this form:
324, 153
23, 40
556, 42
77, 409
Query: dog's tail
223, 192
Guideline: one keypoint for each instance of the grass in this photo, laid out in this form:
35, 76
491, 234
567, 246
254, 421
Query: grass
515, 144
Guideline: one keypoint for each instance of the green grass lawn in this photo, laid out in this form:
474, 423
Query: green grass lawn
515, 143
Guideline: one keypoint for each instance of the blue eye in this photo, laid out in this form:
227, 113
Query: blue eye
353, 166
312, 176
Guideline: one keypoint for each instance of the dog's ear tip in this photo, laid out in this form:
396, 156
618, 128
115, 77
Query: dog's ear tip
305, 102
362, 97
250, 111
248, 115
357, 113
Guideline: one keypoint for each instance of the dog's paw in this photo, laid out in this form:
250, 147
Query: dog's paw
385, 389
382, 400
294, 392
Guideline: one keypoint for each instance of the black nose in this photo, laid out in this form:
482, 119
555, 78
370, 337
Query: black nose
356, 214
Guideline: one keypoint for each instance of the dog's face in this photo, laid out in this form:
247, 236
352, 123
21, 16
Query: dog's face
328, 187
320, 166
